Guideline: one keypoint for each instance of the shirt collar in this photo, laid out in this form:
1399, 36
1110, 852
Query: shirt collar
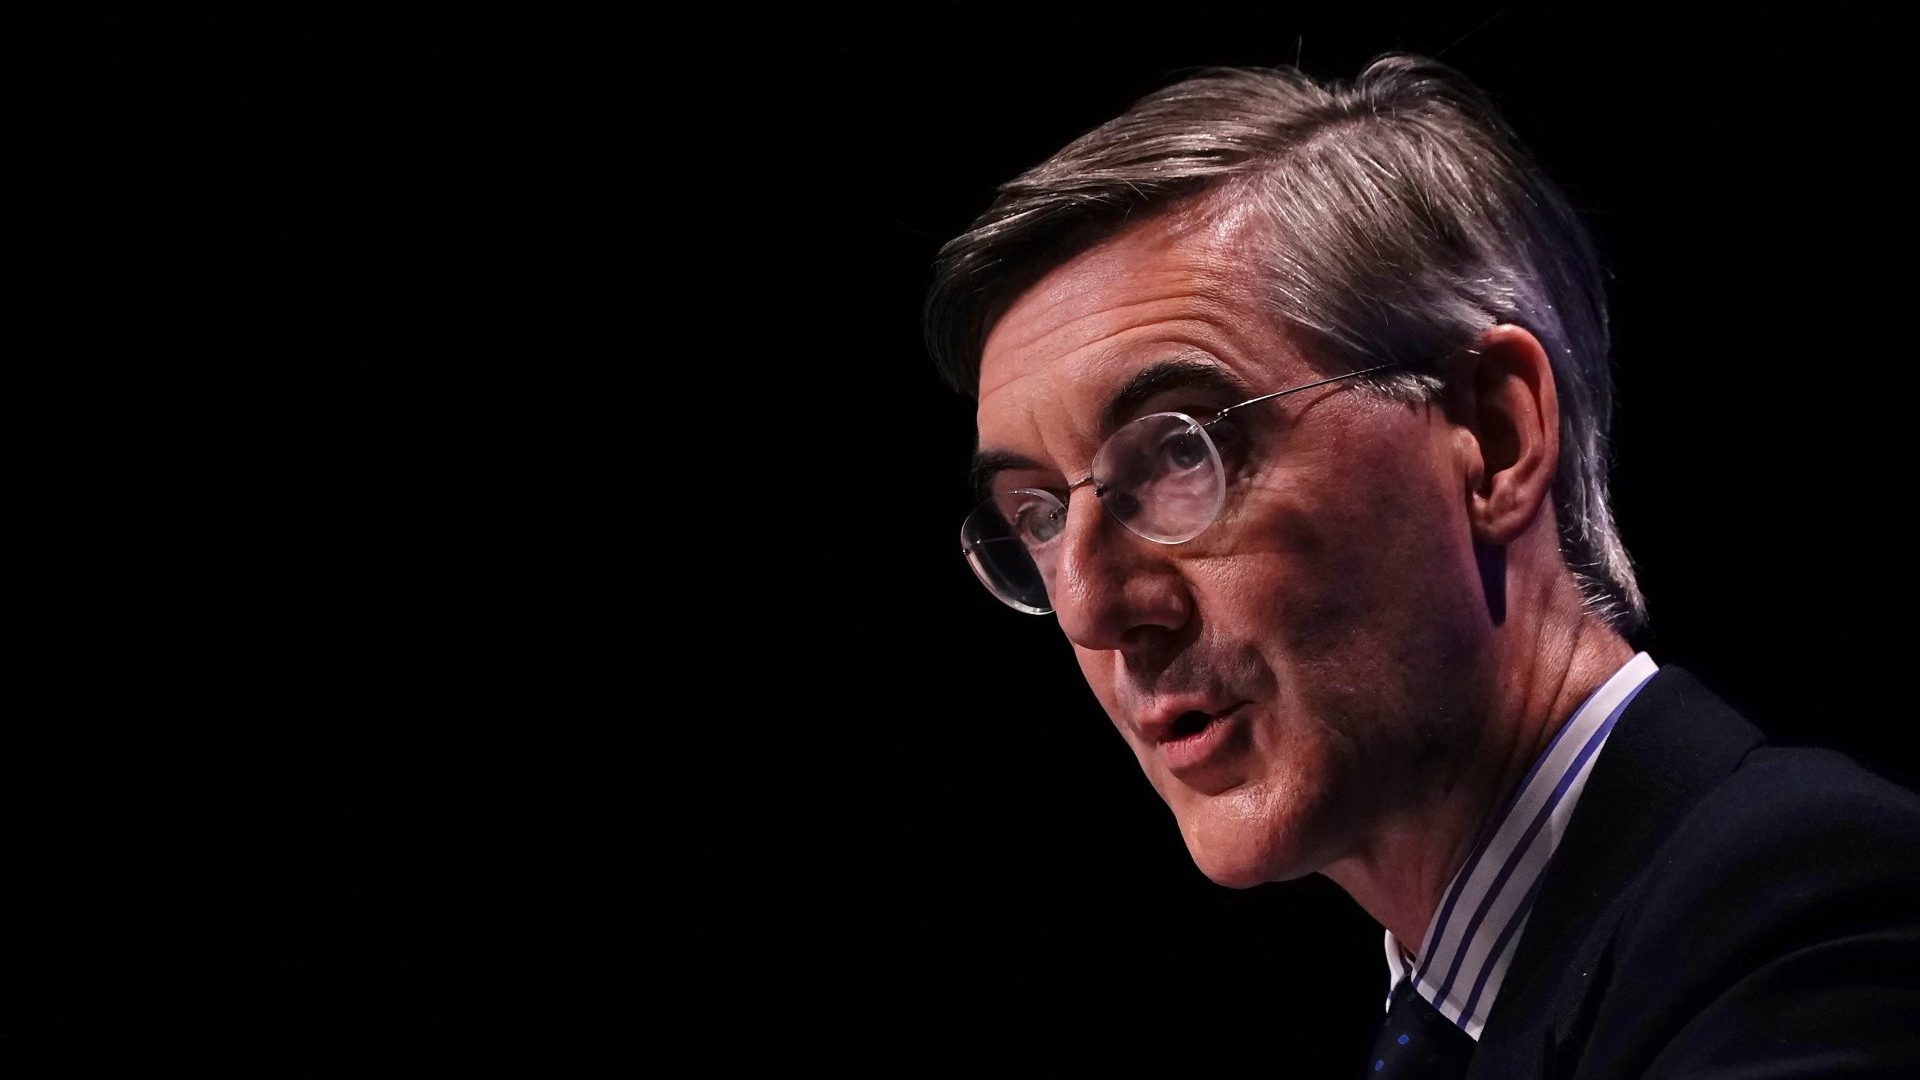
1469, 943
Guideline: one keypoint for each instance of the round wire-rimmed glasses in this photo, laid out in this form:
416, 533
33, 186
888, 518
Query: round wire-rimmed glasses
1161, 476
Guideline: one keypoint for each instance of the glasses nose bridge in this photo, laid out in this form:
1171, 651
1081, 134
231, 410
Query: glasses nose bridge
1066, 515
1106, 581
1100, 542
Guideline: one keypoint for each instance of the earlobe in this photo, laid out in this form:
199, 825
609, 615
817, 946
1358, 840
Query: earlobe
1512, 415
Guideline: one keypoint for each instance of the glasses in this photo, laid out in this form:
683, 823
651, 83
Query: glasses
1161, 476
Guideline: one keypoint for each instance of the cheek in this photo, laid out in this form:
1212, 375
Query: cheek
1379, 563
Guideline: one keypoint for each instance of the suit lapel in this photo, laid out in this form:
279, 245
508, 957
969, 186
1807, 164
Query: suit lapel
1670, 745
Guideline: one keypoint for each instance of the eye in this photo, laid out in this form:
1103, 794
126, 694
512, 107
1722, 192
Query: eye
1037, 523
1183, 450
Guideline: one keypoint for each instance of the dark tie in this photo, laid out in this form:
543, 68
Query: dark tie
1416, 1042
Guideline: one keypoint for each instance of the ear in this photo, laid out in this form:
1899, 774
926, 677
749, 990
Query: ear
1504, 398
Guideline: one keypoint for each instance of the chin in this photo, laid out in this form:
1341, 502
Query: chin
1232, 873
1236, 846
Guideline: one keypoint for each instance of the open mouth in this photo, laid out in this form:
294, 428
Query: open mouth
1189, 724
1196, 742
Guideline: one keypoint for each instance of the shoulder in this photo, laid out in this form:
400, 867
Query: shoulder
1794, 846
1778, 921
1719, 906
1789, 808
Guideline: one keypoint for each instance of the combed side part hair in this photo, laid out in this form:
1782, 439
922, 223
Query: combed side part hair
1403, 220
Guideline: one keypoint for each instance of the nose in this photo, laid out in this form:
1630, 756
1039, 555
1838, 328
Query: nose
1111, 589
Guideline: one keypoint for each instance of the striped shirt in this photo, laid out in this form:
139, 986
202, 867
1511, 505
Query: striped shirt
1471, 940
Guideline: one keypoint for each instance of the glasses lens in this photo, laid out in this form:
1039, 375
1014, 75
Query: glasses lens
1008, 540
1161, 477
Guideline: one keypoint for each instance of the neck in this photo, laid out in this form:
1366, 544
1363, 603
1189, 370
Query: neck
1401, 868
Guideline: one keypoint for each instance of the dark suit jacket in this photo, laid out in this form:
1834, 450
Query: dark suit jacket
1718, 907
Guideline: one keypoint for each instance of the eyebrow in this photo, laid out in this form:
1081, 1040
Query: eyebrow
1186, 372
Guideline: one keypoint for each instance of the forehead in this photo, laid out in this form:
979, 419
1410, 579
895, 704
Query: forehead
1174, 287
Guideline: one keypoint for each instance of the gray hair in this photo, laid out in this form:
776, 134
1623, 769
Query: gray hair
1405, 219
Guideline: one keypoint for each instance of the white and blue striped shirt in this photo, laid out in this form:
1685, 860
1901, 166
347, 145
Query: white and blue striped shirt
1472, 937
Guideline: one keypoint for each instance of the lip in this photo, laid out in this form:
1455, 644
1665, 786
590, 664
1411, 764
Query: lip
1189, 753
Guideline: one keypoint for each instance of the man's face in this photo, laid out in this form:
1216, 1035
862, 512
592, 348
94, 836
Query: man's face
1288, 679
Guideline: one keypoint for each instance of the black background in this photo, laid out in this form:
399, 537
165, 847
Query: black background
500, 598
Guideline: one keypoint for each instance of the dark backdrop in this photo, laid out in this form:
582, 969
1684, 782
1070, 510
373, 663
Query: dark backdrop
502, 600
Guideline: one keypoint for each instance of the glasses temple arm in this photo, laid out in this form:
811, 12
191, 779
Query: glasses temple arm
1222, 414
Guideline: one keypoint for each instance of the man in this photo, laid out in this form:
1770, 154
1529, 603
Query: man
1293, 403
